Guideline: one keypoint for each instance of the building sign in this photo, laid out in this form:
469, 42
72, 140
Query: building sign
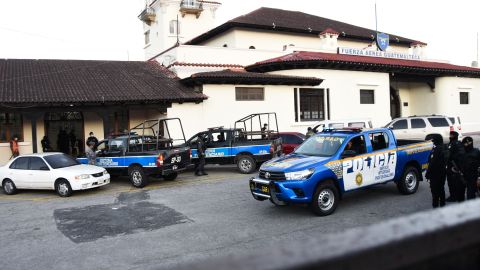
395, 55
383, 40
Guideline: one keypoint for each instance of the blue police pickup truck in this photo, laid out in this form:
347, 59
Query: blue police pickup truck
333, 162
153, 148
253, 140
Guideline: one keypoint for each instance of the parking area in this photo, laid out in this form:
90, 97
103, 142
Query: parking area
171, 223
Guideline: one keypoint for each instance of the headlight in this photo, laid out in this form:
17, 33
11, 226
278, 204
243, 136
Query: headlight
81, 177
105, 172
300, 175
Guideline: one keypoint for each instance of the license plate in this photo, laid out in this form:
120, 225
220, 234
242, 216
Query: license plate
265, 189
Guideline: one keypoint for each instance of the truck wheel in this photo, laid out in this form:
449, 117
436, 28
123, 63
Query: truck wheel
246, 164
325, 199
9, 187
137, 177
63, 188
170, 177
408, 184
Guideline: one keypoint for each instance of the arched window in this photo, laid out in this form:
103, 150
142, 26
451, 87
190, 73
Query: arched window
252, 47
174, 27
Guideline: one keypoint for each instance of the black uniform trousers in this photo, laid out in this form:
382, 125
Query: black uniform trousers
437, 186
471, 182
200, 168
451, 183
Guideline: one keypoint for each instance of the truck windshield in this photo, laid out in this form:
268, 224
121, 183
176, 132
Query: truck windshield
321, 146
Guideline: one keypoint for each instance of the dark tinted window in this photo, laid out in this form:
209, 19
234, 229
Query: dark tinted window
379, 141
20, 164
61, 161
249, 93
464, 98
367, 96
37, 163
291, 139
438, 122
452, 119
418, 123
400, 124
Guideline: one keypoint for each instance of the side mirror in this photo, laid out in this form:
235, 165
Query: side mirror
348, 153
44, 168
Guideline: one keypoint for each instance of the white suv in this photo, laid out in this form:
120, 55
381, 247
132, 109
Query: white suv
422, 127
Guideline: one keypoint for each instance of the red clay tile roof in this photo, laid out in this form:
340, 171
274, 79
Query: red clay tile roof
329, 31
240, 76
89, 82
205, 65
297, 22
302, 59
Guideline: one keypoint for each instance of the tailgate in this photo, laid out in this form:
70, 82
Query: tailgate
178, 157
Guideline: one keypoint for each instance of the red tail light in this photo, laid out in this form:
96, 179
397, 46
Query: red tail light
159, 160
459, 128
190, 152
272, 149
452, 128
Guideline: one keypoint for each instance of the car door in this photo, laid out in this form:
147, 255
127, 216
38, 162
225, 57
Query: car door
218, 146
39, 174
418, 129
18, 172
356, 170
383, 158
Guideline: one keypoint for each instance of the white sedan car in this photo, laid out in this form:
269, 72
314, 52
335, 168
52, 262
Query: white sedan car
54, 171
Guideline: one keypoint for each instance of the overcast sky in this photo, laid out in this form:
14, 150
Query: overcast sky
109, 29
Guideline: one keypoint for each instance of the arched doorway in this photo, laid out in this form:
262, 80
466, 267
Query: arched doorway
65, 131
395, 109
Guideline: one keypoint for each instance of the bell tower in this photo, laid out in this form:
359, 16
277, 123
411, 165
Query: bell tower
168, 22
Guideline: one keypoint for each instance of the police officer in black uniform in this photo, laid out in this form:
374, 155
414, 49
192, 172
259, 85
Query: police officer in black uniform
456, 153
470, 167
201, 148
436, 172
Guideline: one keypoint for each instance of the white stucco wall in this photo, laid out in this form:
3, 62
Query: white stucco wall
444, 100
345, 93
221, 108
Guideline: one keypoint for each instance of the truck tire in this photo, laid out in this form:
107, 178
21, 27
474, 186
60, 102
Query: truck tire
246, 164
9, 187
137, 177
325, 199
170, 177
408, 183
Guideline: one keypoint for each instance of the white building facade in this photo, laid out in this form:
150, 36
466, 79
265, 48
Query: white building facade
358, 79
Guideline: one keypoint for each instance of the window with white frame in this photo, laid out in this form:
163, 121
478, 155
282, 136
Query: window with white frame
174, 27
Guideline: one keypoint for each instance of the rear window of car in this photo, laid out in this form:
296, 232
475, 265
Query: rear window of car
400, 124
418, 123
61, 161
20, 163
291, 139
438, 122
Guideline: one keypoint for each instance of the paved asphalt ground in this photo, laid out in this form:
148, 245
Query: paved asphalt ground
171, 223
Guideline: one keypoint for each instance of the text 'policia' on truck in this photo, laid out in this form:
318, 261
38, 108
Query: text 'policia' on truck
337, 161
